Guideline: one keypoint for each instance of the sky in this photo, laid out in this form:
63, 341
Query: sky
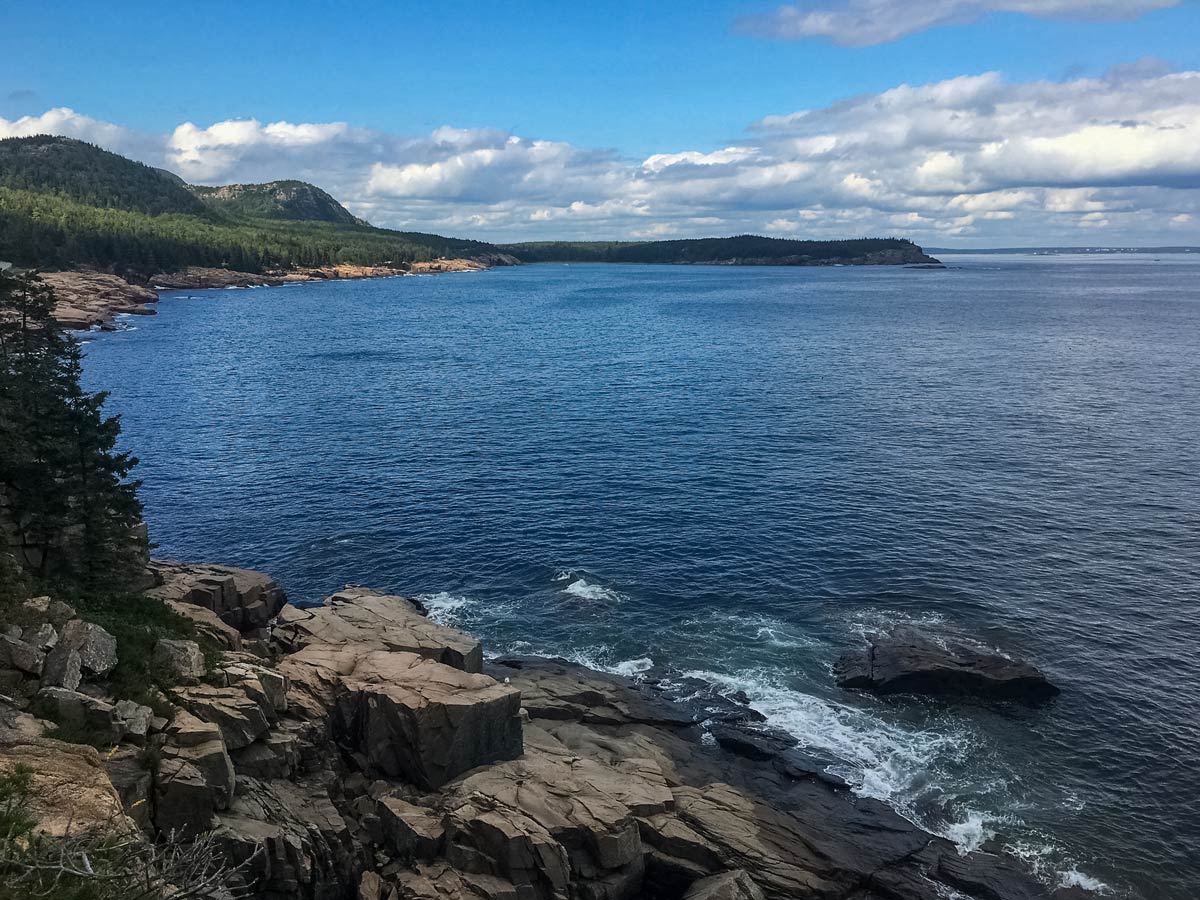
957, 123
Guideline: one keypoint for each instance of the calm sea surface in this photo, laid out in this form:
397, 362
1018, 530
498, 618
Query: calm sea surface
736, 473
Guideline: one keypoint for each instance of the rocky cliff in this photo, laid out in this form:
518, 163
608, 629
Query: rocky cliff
358, 749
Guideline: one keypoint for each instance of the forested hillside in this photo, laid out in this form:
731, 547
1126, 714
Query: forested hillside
81, 172
64, 204
744, 249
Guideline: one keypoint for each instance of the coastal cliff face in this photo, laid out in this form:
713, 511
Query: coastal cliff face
358, 749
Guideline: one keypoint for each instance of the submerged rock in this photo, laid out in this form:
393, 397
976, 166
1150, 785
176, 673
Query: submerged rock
907, 661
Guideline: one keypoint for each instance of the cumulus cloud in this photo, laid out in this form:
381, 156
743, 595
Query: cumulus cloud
975, 158
65, 121
862, 23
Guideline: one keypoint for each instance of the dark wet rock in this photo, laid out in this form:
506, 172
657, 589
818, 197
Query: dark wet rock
736, 885
129, 772
907, 661
759, 744
289, 841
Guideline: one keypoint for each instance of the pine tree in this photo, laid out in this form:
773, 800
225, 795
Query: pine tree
69, 503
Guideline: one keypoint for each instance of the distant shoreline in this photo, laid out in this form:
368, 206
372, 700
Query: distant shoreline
1064, 251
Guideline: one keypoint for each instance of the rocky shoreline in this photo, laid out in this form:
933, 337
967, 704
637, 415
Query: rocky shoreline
359, 749
94, 299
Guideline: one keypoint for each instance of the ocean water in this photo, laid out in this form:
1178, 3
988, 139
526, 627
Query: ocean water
737, 473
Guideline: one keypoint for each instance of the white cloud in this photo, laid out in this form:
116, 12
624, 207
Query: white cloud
861, 23
976, 156
65, 121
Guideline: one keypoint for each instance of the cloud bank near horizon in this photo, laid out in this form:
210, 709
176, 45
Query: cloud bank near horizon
864, 23
970, 160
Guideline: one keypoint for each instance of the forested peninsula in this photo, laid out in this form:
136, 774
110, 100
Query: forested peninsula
742, 250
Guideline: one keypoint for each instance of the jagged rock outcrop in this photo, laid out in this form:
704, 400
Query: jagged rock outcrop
357, 615
242, 599
360, 764
291, 841
905, 660
97, 648
407, 715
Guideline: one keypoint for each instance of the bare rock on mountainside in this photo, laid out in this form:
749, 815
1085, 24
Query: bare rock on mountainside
357, 615
908, 661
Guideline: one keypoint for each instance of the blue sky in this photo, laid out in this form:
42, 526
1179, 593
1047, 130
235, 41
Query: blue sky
617, 84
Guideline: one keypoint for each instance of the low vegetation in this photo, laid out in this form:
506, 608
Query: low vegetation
110, 863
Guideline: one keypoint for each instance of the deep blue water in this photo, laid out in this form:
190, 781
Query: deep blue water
737, 472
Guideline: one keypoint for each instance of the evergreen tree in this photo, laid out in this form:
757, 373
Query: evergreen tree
69, 505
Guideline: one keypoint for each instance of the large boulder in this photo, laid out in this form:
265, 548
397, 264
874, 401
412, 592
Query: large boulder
181, 661
18, 655
201, 745
242, 599
47, 609
410, 831
81, 713
70, 790
97, 648
242, 719
183, 800
63, 668
908, 661
408, 717
552, 821
362, 616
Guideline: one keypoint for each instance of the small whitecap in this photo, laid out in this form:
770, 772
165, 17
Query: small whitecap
585, 590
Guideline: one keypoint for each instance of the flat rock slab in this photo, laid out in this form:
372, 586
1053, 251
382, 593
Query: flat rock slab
362, 616
907, 661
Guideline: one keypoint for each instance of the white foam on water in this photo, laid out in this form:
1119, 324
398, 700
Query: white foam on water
445, 608
879, 760
972, 832
633, 667
586, 590
1072, 877
1047, 862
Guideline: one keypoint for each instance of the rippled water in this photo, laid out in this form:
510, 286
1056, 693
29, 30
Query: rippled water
737, 472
